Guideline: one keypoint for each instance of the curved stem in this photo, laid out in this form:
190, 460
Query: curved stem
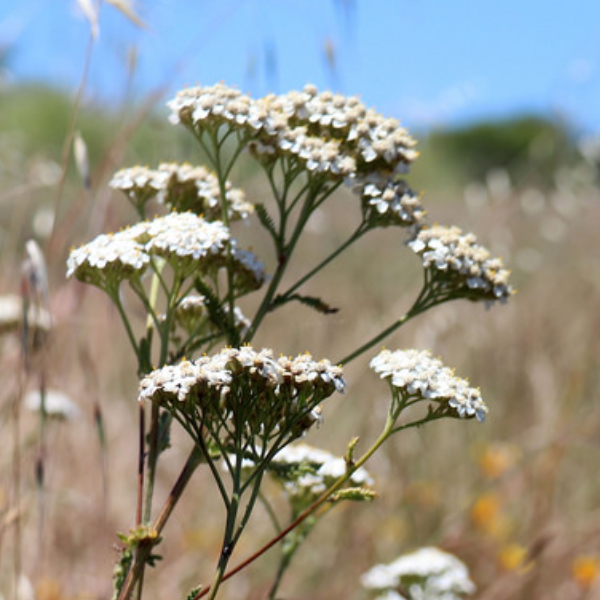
360, 231
424, 301
136, 572
387, 431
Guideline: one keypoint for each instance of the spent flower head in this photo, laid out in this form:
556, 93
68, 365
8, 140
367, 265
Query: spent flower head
465, 268
427, 574
419, 376
12, 313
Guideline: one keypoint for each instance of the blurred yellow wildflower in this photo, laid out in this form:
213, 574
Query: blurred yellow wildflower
585, 569
497, 459
513, 557
487, 516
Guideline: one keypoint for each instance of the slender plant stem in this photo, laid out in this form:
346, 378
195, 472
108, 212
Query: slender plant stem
423, 302
387, 431
353, 238
141, 450
136, 572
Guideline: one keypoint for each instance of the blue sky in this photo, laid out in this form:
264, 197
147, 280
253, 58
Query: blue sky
427, 62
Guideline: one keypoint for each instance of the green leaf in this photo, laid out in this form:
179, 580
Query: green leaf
265, 218
315, 303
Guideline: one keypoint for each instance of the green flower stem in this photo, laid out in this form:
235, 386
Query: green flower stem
143, 553
282, 264
269, 510
360, 231
284, 563
114, 295
387, 431
427, 299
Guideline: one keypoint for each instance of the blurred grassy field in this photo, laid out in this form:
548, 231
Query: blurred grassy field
516, 498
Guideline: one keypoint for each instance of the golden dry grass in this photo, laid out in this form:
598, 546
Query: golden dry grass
516, 498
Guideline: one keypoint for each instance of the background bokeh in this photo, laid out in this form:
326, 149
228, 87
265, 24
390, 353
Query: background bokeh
503, 101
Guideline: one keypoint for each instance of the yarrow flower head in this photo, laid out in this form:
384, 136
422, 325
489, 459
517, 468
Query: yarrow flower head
182, 187
328, 134
249, 272
388, 201
187, 241
109, 259
427, 574
306, 472
250, 390
466, 267
417, 375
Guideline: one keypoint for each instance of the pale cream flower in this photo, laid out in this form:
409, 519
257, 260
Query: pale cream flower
427, 574
418, 375
466, 267
57, 405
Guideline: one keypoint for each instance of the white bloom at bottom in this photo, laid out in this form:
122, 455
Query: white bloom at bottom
427, 574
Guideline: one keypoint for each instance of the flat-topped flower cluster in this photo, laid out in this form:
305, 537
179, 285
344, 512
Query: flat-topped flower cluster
465, 264
187, 241
426, 574
247, 387
328, 133
417, 375
306, 472
243, 406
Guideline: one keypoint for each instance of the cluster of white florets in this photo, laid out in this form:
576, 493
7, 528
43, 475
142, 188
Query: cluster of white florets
182, 187
306, 472
388, 201
328, 133
249, 387
189, 242
427, 574
418, 375
468, 267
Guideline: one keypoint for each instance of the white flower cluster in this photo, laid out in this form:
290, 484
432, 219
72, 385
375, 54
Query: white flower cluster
11, 315
418, 374
184, 235
182, 187
186, 240
280, 392
427, 574
110, 257
56, 405
465, 263
307, 471
249, 272
327, 132
389, 201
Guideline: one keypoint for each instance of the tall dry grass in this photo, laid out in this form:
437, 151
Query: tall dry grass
516, 498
